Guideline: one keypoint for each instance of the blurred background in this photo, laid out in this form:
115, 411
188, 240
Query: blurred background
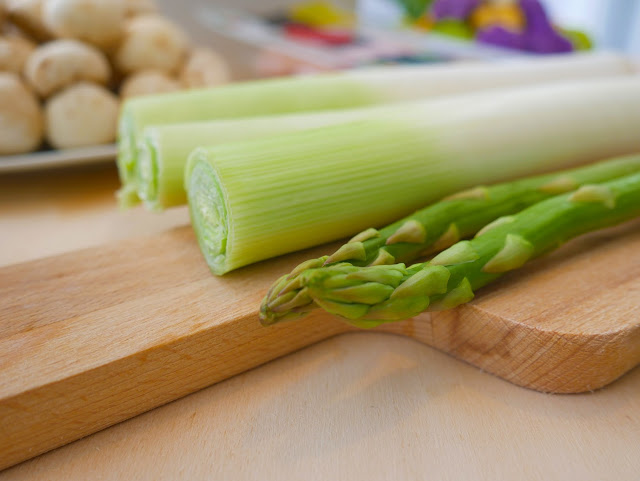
286, 36
127, 48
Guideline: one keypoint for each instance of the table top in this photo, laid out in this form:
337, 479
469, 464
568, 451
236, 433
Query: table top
359, 406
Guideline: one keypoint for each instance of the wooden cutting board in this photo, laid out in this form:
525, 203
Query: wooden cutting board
94, 337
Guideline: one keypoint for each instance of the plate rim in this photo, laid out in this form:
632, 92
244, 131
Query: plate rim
57, 158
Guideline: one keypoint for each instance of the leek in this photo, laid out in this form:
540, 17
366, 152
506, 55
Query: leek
164, 149
258, 199
326, 92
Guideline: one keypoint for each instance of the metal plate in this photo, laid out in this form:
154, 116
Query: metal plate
57, 158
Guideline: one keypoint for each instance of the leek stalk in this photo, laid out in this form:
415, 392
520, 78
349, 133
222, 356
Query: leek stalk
164, 149
315, 93
258, 199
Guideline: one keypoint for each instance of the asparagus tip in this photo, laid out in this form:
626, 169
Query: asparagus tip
365, 235
446, 240
384, 258
367, 293
516, 251
349, 251
496, 223
426, 282
459, 253
308, 264
559, 185
461, 294
411, 231
594, 193
477, 193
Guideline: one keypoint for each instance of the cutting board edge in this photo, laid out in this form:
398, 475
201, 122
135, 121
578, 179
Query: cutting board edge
525, 355
189, 355
417, 329
594, 358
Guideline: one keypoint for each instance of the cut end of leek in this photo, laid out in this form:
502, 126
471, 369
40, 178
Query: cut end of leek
147, 173
126, 145
127, 196
126, 162
208, 212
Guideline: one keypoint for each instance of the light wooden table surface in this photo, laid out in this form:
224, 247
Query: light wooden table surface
360, 406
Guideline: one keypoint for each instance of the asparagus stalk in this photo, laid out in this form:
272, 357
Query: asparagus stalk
369, 296
324, 92
459, 216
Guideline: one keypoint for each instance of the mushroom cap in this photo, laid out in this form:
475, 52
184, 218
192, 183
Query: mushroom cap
99, 22
204, 68
82, 114
133, 8
27, 15
151, 42
14, 51
21, 121
147, 82
56, 64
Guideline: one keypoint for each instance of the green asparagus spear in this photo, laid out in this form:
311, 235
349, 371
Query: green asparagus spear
444, 223
368, 296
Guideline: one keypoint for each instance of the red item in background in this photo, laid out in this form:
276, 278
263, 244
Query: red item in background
324, 36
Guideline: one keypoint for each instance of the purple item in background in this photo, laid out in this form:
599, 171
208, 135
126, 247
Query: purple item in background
539, 35
455, 9
501, 37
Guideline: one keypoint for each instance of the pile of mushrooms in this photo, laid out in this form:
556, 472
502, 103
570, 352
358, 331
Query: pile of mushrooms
66, 64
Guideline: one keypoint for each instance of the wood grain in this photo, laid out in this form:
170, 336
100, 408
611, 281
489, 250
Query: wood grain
91, 338
566, 323
363, 406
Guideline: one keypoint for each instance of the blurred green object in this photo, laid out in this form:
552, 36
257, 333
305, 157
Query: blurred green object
321, 14
580, 40
453, 28
415, 8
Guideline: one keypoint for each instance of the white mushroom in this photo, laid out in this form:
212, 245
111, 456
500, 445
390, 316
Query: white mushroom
14, 51
99, 22
27, 15
148, 82
56, 64
204, 68
151, 42
139, 7
83, 114
21, 122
